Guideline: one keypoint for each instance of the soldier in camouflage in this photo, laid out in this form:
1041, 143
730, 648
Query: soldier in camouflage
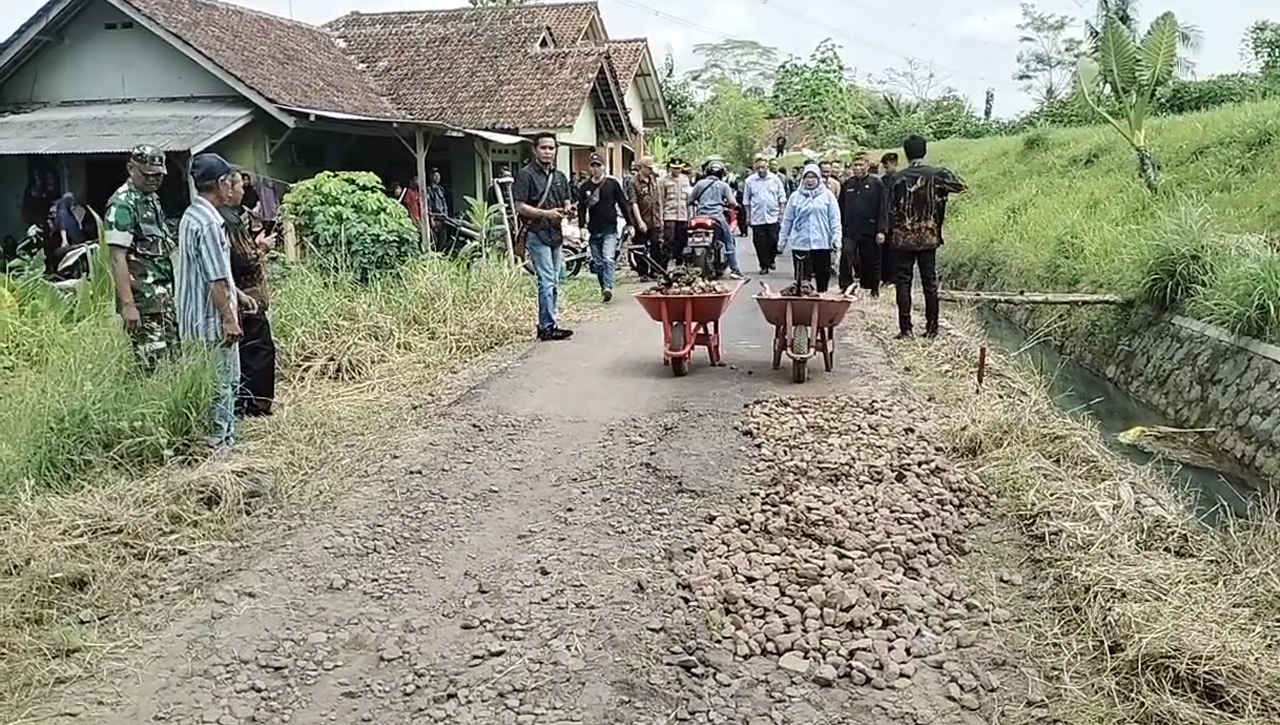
142, 250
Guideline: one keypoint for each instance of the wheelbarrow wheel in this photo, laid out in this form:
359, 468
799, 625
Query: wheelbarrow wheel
799, 370
679, 365
800, 343
800, 340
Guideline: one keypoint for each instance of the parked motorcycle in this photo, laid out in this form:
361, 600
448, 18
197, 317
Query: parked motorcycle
577, 253
705, 251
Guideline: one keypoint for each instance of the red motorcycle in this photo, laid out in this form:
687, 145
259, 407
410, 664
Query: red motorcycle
705, 251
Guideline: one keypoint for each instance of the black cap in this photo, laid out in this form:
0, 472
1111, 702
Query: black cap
596, 160
209, 167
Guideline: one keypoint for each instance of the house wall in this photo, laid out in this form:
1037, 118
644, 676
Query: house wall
89, 62
583, 133
635, 109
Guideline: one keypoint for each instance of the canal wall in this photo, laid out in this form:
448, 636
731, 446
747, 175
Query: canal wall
1195, 374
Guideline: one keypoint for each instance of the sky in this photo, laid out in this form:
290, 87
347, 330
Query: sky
971, 45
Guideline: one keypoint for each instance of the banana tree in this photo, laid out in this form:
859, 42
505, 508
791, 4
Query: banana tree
1133, 70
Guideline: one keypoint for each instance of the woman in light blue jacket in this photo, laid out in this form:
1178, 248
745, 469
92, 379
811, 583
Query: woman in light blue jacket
811, 228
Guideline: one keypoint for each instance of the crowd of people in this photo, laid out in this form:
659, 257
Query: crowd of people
871, 224
206, 290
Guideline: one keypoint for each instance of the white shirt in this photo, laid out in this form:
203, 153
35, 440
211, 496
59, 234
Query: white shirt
763, 198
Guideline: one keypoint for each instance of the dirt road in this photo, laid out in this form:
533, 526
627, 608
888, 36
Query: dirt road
514, 564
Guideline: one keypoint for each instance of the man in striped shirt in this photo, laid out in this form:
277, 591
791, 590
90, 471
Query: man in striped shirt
208, 312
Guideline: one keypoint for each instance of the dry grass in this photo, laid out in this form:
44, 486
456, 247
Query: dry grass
81, 565
1139, 614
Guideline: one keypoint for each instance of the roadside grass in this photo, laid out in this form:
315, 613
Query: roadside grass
1064, 210
1134, 611
104, 504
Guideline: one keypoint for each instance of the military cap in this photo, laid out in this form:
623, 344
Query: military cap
149, 157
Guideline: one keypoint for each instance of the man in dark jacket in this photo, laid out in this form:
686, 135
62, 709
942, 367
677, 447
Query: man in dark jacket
601, 200
863, 217
917, 209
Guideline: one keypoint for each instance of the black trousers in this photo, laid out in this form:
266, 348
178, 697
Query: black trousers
676, 234
765, 239
651, 243
860, 260
257, 366
815, 265
927, 261
888, 265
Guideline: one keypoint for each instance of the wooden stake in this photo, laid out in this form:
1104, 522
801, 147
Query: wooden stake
982, 366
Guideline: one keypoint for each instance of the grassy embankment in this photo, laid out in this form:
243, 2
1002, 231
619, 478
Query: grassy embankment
1064, 210
105, 498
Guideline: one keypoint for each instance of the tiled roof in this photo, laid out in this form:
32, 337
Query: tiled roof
476, 68
627, 54
288, 62
566, 20
473, 68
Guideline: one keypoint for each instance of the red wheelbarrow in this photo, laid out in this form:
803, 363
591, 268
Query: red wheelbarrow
803, 327
688, 321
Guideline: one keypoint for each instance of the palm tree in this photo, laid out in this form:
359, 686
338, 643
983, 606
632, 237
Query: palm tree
1125, 12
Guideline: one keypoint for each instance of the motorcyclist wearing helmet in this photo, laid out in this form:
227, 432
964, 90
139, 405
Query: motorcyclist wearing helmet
711, 198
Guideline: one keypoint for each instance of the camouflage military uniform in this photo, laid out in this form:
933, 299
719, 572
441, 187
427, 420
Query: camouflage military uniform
135, 221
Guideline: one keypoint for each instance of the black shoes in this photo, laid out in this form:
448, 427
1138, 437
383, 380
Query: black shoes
554, 333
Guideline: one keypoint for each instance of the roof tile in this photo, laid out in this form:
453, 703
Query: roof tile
475, 68
627, 53
468, 67
289, 62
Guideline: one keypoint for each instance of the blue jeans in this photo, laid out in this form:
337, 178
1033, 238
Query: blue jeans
604, 253
730, 245
547, 260
226, 365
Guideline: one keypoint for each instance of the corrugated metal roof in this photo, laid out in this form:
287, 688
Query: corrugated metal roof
118, 127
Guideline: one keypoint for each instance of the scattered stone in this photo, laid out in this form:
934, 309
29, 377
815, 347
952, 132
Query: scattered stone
850, 545
794, 662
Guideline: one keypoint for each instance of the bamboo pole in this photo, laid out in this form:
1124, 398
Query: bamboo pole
1032, 298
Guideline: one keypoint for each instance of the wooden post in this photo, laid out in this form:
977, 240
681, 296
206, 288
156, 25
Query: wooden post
421, 144
289, 237
484, 175
508, 234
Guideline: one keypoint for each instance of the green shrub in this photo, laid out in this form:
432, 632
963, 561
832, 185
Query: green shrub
1243, 296
1180, 259
349, 224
